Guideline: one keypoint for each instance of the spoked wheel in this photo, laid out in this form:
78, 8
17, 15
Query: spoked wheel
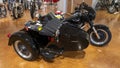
25, 50
4, 12
104, 34
15, 13
22, 50
20, 11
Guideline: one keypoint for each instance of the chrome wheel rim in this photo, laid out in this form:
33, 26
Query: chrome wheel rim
22, 49
102, 39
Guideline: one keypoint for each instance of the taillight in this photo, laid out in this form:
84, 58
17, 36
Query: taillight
51, 39
26, 28
8, 35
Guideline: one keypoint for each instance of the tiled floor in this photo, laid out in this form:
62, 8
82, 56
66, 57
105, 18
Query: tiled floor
92, 57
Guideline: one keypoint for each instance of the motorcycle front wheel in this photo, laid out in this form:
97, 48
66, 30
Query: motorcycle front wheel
104, 34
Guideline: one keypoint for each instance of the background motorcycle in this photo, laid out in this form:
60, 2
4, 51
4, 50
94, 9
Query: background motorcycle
99, 35
17, 9
3, 11
34, 7
48, 38
111, 5
114, 7
102, 4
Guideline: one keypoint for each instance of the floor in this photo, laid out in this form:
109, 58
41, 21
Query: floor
92, 57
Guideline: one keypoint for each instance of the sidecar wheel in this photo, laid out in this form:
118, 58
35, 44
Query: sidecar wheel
105, 37
24, 50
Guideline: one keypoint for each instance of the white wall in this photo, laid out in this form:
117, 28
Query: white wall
94, 2
1, 1
62, 4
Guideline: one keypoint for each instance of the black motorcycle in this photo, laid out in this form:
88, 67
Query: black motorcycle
3, 11
48, 37
99, 35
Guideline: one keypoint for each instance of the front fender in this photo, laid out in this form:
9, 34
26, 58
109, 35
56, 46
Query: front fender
98, 26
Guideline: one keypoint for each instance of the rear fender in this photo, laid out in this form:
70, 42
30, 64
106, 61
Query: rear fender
19, 35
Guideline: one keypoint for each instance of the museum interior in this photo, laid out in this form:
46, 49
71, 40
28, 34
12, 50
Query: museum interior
59, 33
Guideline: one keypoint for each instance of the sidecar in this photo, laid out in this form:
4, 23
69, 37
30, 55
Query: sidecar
47, 40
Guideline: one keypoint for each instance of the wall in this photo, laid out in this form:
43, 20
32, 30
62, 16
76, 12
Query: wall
62, 5
1, 1
72, 3
69, 5
94, 2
